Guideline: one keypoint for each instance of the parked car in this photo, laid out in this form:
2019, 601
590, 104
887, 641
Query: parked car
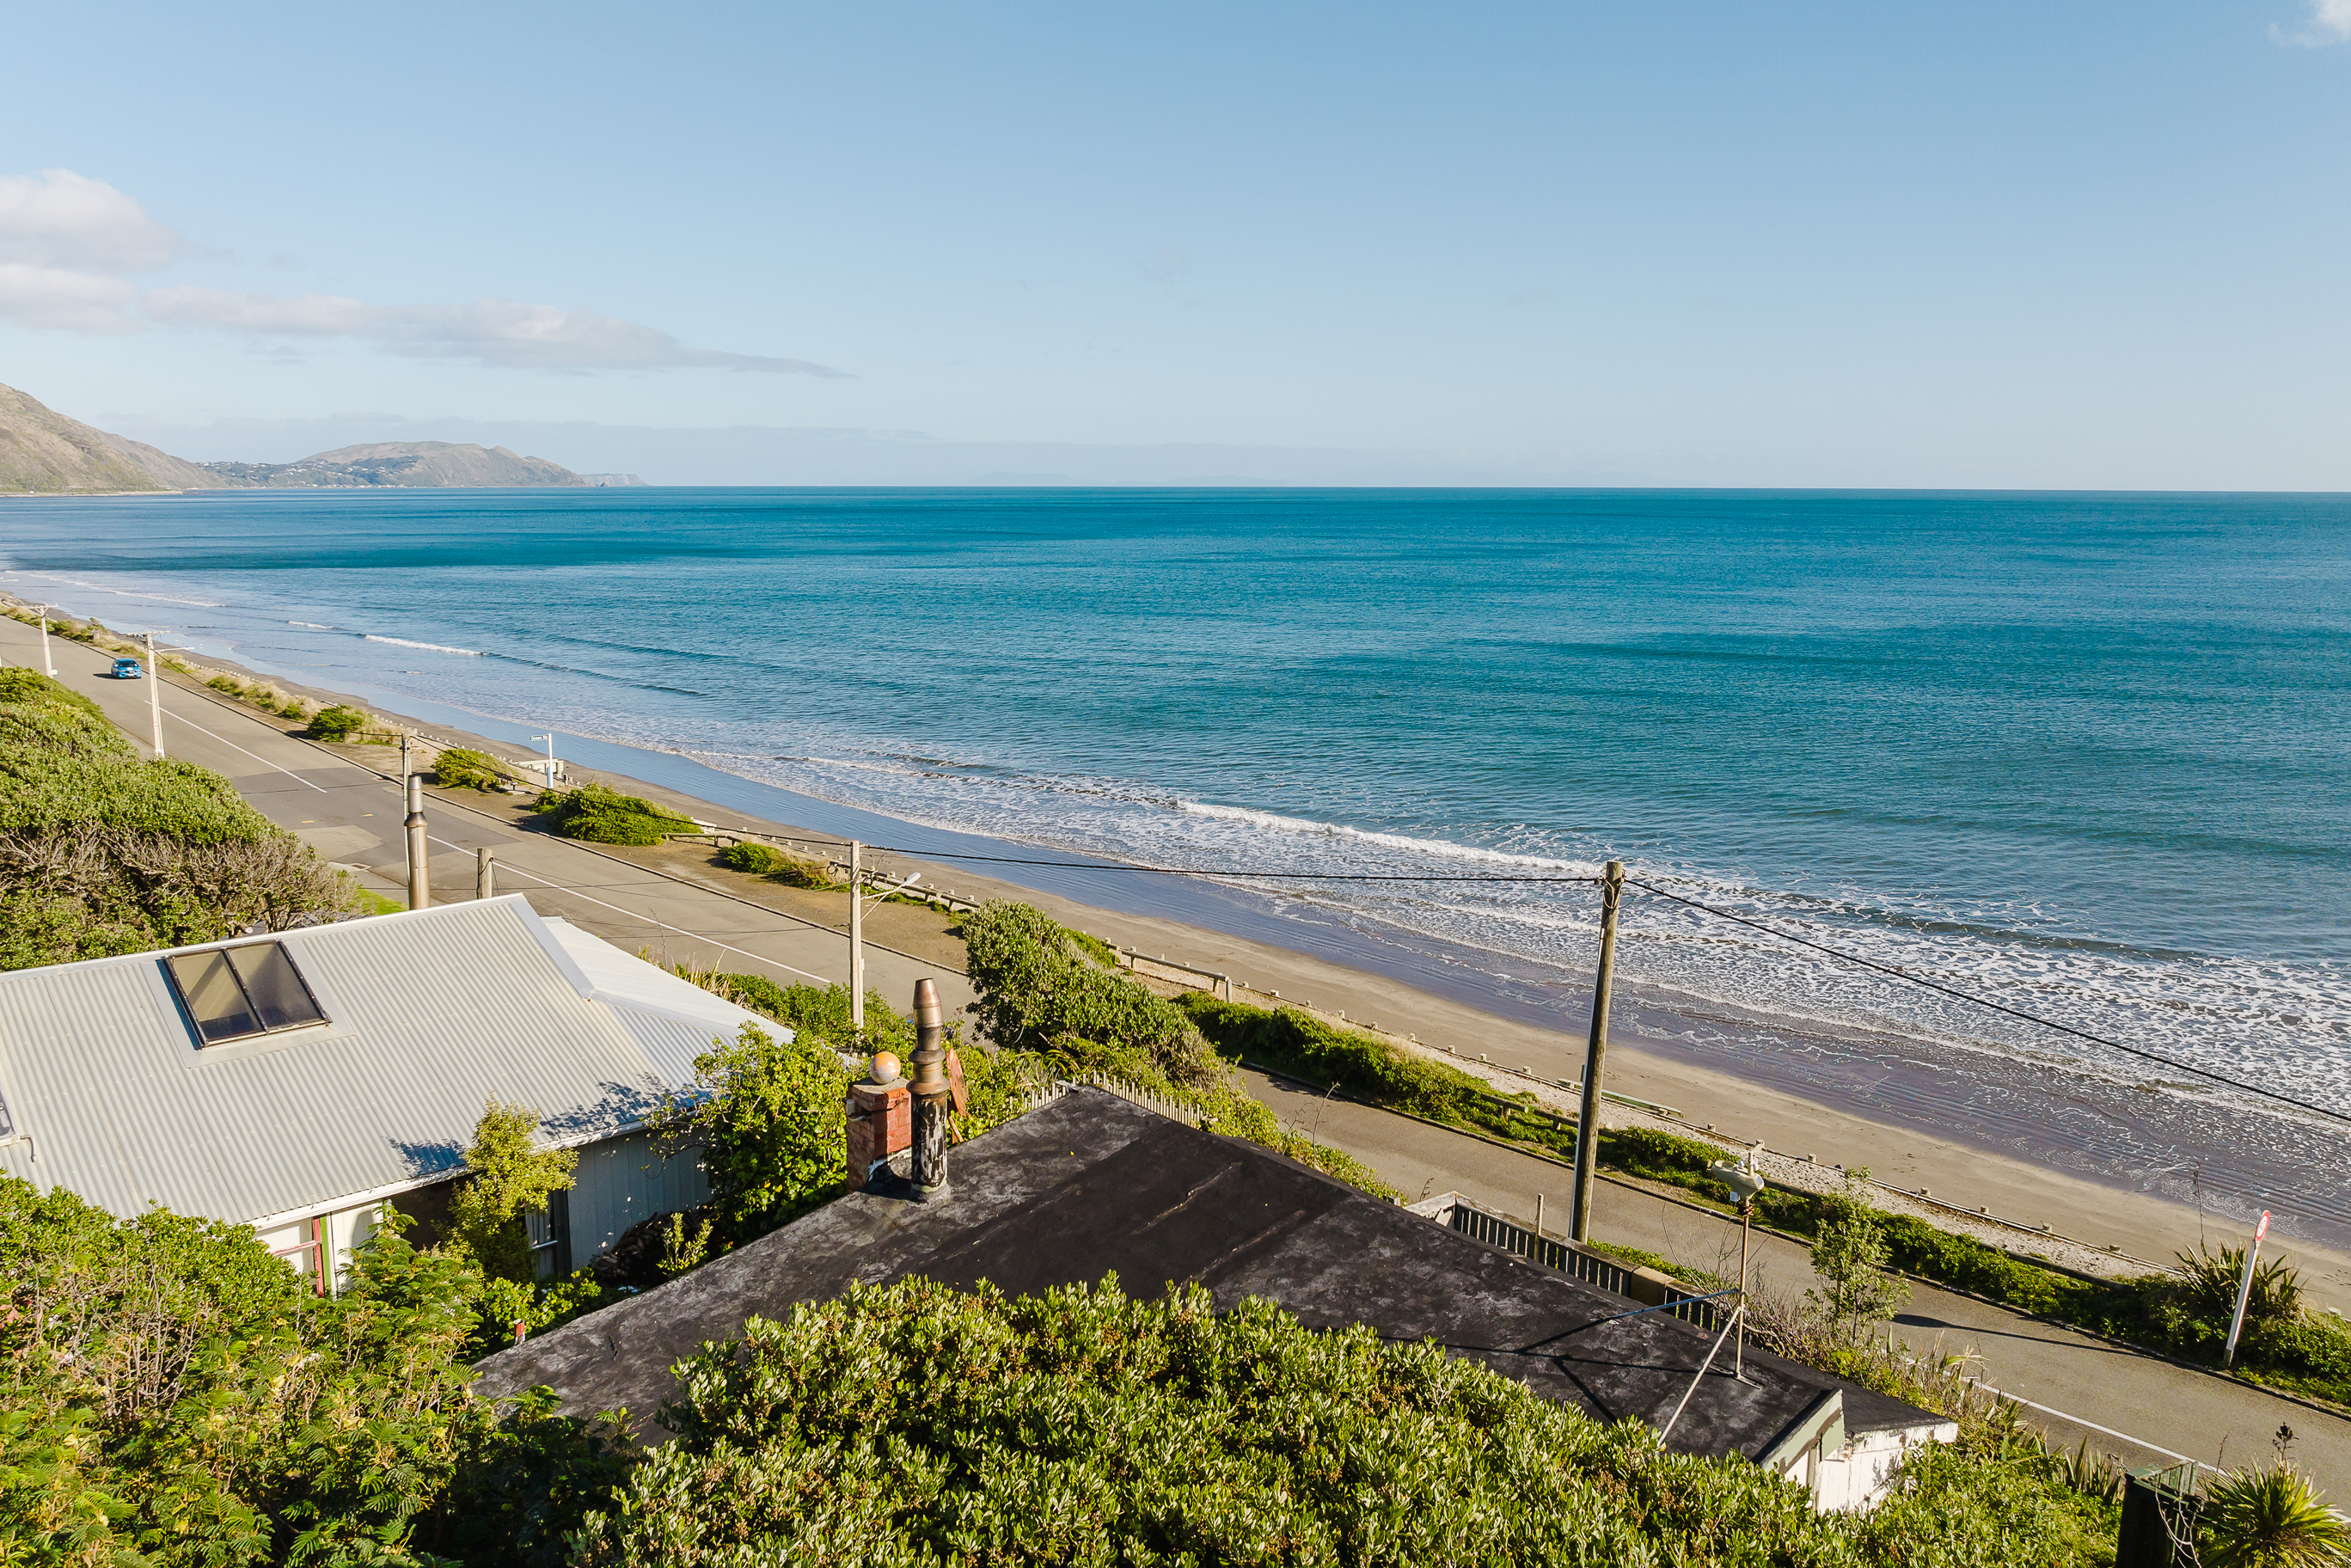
128, 670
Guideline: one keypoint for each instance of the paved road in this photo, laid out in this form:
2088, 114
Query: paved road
354, 815
2168, 1410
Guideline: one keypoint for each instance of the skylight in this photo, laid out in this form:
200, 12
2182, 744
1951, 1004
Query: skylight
231, 993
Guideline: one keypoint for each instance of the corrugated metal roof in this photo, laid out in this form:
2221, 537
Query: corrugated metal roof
430, 1014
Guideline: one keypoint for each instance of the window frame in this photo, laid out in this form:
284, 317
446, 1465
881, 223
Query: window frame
169, 963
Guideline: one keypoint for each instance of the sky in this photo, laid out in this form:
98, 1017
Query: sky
2060, 243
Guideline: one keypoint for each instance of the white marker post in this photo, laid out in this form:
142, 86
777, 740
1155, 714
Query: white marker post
2244, 1291
155, 696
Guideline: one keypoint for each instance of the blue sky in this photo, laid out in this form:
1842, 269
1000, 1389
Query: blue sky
2064, 244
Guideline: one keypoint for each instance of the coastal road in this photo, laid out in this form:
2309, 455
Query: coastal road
2170, 1411
354, 816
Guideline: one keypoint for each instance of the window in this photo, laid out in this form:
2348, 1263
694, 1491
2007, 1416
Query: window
233, 992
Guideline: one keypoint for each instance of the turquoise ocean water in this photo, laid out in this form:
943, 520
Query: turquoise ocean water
2083, 754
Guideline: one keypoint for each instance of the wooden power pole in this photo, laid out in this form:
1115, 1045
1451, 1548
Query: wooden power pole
856, 945
1587, 1128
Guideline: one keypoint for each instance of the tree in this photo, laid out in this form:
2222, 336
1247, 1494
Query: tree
1850, 1255
510, 1180
770, 1122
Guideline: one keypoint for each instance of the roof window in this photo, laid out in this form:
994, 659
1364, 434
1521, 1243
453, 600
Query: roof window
231, 993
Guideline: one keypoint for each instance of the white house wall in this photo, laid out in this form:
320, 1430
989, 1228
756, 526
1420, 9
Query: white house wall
622, 1181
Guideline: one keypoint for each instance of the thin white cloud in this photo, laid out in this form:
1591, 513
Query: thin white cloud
61, 219
67, 243
60, 299
2329, 22
507, 333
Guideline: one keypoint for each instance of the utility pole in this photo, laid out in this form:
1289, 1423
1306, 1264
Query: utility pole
856, 944
154, 694
420, 881
48, 662
486, 872
1587, 1128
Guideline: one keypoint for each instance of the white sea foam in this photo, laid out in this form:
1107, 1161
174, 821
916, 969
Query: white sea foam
313, 625
428, 647
122, 592
1440, 848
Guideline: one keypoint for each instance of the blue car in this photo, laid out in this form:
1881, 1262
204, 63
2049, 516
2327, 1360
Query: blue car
128, 670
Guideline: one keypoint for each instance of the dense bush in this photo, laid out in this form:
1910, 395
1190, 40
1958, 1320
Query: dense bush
102, 851
1050, 1011
765, 860
601, 815
769, 1116
336, 723
1037, 993
1085, 1428
171, 1395
462, 767
755, 858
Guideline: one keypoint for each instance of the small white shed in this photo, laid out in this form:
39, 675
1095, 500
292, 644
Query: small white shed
297, 1081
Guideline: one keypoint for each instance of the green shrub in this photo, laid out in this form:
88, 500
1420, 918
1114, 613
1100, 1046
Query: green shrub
769, 1118
1037, 993
1082, 1427
755, 858
1050, 1012
600, 815
102, 851
170, 1395
814, 874
336, 723
1296, 1042
23, 685
461, 767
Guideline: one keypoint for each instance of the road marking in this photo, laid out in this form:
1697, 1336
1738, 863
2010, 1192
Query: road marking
2092, 1426
233, 746
574, 892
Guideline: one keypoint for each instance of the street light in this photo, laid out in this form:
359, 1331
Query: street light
48, 663
1741, 1178
549, 739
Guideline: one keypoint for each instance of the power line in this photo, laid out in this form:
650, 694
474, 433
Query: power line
1185, 871
1987, 1002
1524, 878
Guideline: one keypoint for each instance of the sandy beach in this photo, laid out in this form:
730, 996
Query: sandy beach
2086, 1222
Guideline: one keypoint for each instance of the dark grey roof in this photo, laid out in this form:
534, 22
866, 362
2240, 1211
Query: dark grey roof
1090, 1184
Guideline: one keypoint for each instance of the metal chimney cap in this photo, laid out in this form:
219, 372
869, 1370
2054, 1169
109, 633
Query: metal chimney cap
928, 1011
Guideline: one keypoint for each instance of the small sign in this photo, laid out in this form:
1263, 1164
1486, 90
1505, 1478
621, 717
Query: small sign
2264, 1227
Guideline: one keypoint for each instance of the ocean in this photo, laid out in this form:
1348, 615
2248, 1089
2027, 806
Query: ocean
2083, 755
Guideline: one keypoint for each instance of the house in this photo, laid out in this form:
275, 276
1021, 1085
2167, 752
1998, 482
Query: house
299, 1080
1089, 1183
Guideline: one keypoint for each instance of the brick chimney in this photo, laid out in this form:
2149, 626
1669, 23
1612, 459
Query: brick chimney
881, 1123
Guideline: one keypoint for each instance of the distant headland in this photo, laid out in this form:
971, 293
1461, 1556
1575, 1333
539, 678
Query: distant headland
43, 453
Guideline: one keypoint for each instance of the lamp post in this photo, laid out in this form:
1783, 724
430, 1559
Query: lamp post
155, 696
1744, 1185
48, 662
549, 739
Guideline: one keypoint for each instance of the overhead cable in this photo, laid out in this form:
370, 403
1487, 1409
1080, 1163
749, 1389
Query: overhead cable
1956, 993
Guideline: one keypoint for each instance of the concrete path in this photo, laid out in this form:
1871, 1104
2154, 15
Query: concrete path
2152, 1412
354, 815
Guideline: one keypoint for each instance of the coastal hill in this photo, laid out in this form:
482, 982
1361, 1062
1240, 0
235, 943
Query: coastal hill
414, 464
43, 453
